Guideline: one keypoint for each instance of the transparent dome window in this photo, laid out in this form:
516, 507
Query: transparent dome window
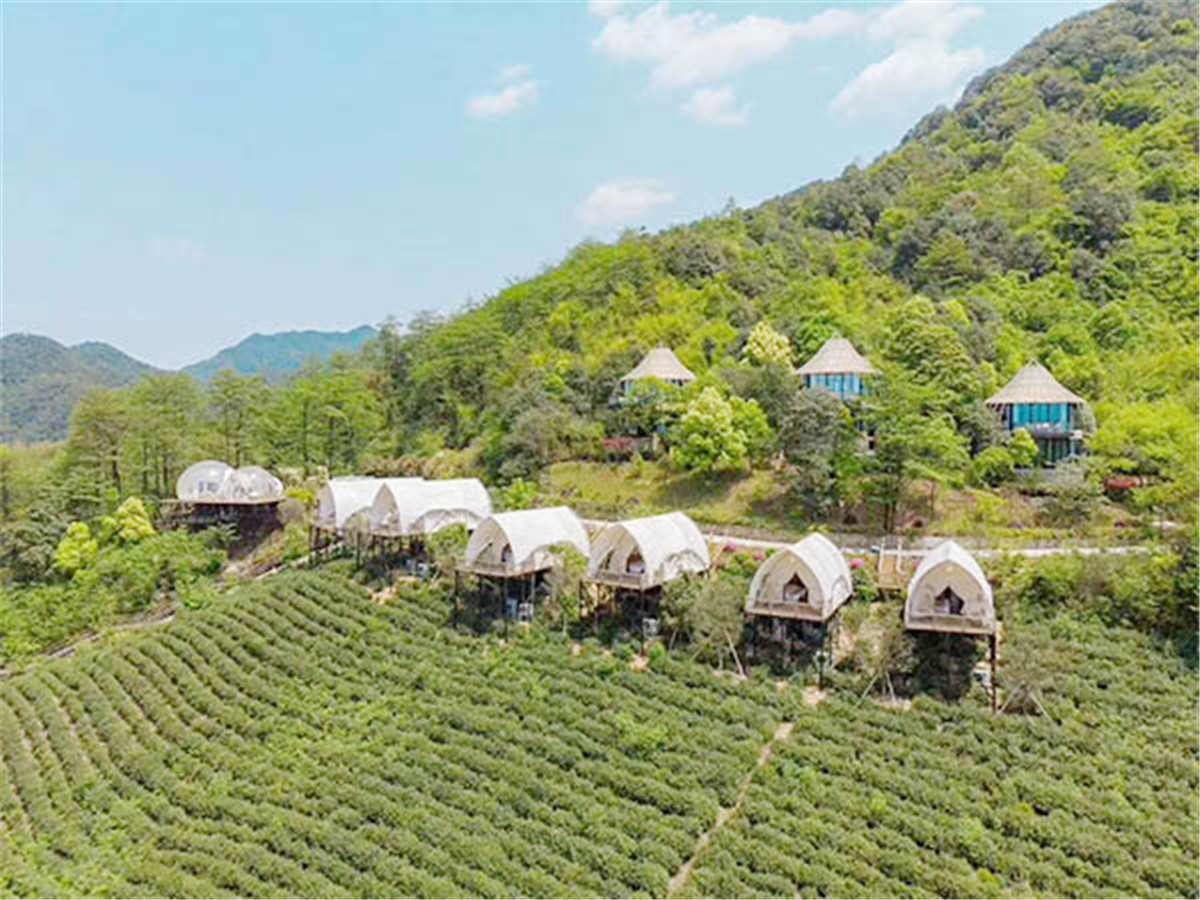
254, 484
206, 480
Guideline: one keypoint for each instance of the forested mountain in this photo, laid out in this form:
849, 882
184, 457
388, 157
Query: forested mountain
41, 381
276, 355
1050, 214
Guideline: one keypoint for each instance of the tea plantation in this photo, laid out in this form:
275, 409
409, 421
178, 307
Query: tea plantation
298, 738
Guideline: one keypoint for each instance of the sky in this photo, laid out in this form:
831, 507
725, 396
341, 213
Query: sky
178, 176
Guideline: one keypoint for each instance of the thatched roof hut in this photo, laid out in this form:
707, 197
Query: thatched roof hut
405, 507
837, 356
660, 363
810, 580
1033, 384
639, 554
512, 544
949, 593
215, 482
340, 498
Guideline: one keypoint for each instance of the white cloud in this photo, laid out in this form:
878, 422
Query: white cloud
696, 48
715, 106
519, 91
922, 68
619, 202
604, 9
925, 71
516, 72
921, 20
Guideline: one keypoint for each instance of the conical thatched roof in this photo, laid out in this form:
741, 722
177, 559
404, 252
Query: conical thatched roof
837, 356
1033, 384
663, 364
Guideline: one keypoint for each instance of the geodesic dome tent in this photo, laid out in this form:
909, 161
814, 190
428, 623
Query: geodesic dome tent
648, 552
949, 593
809, 580
203, 481
340, 498
414, 506
516, 543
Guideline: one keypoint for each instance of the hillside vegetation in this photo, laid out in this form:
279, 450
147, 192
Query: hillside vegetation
299, 739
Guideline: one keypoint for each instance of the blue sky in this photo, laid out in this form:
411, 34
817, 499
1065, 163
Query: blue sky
177, 176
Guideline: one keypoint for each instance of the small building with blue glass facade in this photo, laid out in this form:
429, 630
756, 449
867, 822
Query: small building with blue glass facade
1053, 415
839, 368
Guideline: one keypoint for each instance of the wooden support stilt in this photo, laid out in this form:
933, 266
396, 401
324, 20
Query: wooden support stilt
992, 654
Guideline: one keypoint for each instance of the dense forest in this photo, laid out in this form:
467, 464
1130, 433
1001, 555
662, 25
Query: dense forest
1050, 215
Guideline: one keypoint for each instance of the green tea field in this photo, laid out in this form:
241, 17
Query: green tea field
297, 738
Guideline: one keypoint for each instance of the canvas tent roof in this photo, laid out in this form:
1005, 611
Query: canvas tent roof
409, 506
837, 356
340, 498
821, 568
212, 481
529, 534
950, 568
1033, 384
669, 545
661, 363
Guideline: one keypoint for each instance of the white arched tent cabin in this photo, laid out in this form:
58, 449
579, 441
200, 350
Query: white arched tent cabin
641, 555
950, 594
343, 512
798, 590
413, 507
517, 546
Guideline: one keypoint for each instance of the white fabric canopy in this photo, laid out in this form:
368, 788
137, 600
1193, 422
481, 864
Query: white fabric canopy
340, 498
411, 506
528, 534
669, 546
822, 572
949, 592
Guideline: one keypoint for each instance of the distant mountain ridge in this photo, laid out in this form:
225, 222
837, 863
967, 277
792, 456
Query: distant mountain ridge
41, 380
276, 355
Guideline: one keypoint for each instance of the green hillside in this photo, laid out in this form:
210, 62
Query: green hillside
299, 739
41, 381
1051, 214
276, 355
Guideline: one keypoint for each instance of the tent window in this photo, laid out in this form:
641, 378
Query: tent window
635, 565
795, 591
506, 555
948, 602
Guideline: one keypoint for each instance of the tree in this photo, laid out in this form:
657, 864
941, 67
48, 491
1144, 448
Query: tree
709, 611
564, 580
706, 438
912, 440
1023, 448
992, 467
883, 655
819, 441
235, 402
77, 549
766, 345
751, 422
165, 409
129, 524
99, 424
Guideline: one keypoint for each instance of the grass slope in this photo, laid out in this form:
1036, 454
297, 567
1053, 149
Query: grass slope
299, 739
